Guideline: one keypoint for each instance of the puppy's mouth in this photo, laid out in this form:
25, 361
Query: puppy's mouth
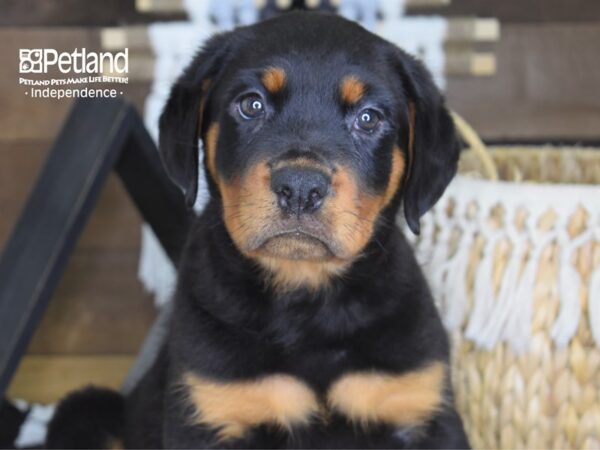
298, 245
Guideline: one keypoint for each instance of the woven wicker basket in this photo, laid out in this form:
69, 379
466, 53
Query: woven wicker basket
512, 252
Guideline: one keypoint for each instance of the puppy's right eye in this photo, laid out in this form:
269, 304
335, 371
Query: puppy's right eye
251, 107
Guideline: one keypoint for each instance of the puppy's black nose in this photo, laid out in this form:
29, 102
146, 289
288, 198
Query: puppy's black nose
299, 189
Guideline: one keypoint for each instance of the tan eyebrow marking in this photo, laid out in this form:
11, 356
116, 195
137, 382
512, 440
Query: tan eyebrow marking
274, 79
351, 89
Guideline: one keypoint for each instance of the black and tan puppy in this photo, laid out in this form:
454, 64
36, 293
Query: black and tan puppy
301, 316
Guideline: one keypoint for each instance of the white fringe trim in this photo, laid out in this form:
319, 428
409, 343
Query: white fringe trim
506, 316
594, 295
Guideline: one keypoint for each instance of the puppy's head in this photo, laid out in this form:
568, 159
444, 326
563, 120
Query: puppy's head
314, 132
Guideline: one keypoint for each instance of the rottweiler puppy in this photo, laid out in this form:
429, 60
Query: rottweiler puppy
301, 317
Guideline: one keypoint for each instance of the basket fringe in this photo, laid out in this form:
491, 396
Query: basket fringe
526, 361
454, 285
446, 247
594, 301
483, 294
505, 306
438, 255
566, 323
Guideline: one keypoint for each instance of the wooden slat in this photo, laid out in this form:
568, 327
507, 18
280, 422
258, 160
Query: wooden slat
20, 163
117, 38
78, 13
114, 223
159, 6
46, 379
427, 3
518, 10
99, 307
471, 63
473, 29
545, 85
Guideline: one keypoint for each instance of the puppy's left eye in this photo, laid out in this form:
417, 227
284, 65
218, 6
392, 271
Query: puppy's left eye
251, 106
367, 120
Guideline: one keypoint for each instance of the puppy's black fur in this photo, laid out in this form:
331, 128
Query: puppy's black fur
89, 418
346, 306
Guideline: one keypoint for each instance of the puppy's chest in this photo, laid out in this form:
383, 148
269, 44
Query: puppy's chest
309, 389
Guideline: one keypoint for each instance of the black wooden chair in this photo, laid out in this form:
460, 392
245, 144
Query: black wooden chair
98, 136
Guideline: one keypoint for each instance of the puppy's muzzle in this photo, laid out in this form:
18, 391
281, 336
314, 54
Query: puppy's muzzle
300, 190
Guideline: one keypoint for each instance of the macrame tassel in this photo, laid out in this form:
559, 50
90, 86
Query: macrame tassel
520, 334
156, 271
483, 293
198, 12
566, 323
526, 259
517, 331
439, 254
505, 305
223, 13
425, 242
594, 304
456, 280
456, 289
568, 319
437, 273
247, 12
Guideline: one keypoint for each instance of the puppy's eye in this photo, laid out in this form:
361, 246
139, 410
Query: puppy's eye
251, 106
367, 120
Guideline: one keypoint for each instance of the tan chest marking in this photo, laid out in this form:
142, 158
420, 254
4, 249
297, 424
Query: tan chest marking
233, 408
404, 400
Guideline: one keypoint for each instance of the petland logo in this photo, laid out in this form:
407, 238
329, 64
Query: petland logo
79, 61
79, 70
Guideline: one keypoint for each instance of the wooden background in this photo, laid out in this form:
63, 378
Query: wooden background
546, 86
100, 309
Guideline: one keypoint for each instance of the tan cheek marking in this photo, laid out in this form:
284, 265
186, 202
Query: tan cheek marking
350, 212
210, 149
404, 400
248, 204
234, 408
350, 217
351, 89
274, 79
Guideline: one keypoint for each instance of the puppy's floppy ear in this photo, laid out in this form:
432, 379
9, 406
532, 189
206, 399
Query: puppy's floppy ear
180, 122
433, 145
